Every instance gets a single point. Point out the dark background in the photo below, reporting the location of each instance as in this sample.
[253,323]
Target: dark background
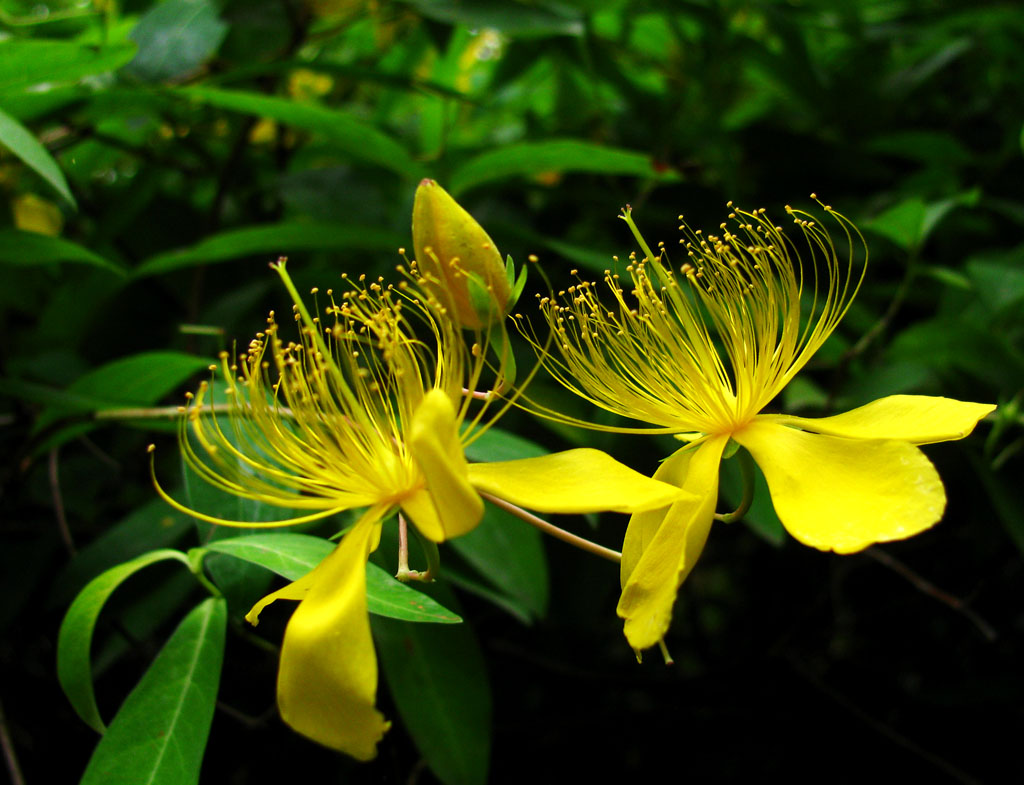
[905,116]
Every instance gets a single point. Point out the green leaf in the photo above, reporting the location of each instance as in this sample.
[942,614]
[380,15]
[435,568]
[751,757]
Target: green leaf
[932,147]
[293,555]
[494,444]
[153,525]
[909,223]
[593,259]
[67,402]
[999,279]
[288,554]
[509,553]
[160,731]
[439,684]
[272,240]
[901,223]
[28,62]
[20,141]
[75,637]
[517,19]
[175,37]
[29,248]
[559,155]
[1004,496]
[138,380]
[351,135]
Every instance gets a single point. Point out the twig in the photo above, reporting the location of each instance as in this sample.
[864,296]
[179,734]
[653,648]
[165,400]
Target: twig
[247,720]
[58,503]
[554,531]
[881,728]
[929,588]
[10,757]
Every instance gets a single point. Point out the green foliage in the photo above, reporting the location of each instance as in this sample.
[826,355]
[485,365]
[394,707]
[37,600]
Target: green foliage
[75,640]
[160,730]
[155,155]
[439,683]
[293,555]
[16,138]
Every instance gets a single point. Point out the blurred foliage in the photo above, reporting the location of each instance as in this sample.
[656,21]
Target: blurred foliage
[154,156]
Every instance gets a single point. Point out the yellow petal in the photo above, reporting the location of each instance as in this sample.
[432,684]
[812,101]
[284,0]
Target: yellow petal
[574,481]
[845,494]
[644,525]
[296,590]
[434,442]
[327,682]
[919,419]
[650,589]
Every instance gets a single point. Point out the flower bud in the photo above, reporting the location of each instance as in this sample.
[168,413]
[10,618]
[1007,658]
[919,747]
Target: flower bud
[460,262]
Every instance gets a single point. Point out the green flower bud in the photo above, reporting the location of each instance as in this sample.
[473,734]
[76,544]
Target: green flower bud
[459,260]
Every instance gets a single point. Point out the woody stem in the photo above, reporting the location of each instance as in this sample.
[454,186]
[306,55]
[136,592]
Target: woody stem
[554,531]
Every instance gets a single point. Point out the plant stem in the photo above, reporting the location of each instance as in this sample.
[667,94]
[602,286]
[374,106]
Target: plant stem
[747,474]
[554,531]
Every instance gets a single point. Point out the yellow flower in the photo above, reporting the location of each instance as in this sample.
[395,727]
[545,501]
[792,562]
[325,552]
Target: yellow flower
[370,409]
[699,351]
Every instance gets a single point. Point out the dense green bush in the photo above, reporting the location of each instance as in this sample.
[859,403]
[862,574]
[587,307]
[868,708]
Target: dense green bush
[155,156]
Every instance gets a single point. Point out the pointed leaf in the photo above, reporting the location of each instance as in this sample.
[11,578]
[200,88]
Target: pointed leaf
[24,63]
[138,380]
[510,555]
[557,155]
[160,731]
[152,526]
[20,141]
[349,134]
[75,638]
[271,241]
[29,248]
[439,683]
[293,555]
[175,37]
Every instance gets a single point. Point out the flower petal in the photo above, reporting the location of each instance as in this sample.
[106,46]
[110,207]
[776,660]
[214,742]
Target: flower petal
[644,525]
[919,419]
[845,494]
[650,588]
[574,481]
[434,443]
[327,681]
[296,590]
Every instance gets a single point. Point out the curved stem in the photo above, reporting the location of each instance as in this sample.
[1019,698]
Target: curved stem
[747,473]
[554,531]
[404,574]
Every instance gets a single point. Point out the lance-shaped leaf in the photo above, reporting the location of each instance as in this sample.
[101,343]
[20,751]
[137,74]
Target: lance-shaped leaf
[293,555]
[75,638]
[160,731]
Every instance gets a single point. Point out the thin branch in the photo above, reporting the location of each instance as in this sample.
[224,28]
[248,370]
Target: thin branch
[10,757]
[58,503]
[247,720]
[929,588]
[554,531]
[882,728]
